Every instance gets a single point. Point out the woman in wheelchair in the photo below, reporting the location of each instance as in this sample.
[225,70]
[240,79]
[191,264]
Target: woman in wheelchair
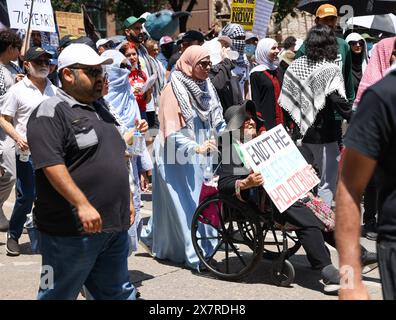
[236,179]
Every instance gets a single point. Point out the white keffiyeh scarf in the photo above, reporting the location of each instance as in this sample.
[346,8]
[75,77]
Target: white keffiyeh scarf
[306,85]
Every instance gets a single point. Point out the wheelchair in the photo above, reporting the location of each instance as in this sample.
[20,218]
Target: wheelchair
[235,236]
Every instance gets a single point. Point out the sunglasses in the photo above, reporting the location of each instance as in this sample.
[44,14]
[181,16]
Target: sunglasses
[41,62]
[91,72]
[355,43]
[205,64]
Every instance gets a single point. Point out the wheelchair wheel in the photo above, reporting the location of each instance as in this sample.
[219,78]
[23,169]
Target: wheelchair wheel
[273,247]
[282,273]
[231,248]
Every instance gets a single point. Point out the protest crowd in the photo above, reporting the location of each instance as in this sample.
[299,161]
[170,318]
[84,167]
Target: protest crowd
[87,127]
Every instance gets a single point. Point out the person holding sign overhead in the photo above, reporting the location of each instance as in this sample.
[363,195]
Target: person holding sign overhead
[236,179]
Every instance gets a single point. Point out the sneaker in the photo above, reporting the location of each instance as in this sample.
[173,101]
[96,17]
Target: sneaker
[369,261]
[369,230]
[12,246]
[330,279]
[141,204]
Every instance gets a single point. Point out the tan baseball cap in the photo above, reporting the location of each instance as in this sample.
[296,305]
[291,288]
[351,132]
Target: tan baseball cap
[326,10]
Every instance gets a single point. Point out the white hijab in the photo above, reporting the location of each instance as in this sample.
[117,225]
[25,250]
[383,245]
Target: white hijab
[264,46]
[357,37]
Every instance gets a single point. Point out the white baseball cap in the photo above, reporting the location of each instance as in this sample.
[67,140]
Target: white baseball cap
[79,53]
[102,42]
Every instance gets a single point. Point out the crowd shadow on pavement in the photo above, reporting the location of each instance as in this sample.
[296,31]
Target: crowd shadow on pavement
[261,274]
[137,277]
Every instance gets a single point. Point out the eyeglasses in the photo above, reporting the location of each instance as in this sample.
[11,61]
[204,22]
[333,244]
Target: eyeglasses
[205,64]
[91,72]
[355,43]
[41,62]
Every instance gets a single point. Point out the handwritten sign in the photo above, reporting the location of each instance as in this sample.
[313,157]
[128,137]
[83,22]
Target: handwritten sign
[242,12]
[287,176]
[70,23]
[42,15]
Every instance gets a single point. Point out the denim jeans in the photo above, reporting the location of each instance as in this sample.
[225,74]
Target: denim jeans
[98,261]
[25,194]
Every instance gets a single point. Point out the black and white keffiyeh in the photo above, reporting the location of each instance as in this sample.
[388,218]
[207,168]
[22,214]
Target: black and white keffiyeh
[233,31]
[200,95]
[306,85]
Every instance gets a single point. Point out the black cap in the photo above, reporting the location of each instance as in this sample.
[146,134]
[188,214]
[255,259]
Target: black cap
[236,115]
[192,35]
[34,52]
[66,40]
[69,39]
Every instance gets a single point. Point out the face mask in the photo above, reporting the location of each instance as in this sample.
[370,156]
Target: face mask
[250,49]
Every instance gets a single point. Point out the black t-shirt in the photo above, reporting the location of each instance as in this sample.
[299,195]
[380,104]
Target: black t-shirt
[85,139]
[373,134]
[263,94]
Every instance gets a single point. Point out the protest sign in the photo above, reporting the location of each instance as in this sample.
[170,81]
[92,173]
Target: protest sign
[42,16]
[263,12]
[287,176]
[242,12]
[70,23]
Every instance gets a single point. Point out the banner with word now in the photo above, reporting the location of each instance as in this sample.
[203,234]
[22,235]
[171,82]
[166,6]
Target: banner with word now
[242,12]
[287,176]
[42,18]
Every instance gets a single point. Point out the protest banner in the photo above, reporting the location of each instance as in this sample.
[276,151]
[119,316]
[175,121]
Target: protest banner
[287,176]
[37,15]
[70,23]
[263,12]
[242,12]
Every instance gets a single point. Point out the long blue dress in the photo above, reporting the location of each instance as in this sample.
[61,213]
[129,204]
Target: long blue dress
[176,189]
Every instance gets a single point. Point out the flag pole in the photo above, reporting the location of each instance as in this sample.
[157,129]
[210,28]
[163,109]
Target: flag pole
[27,37]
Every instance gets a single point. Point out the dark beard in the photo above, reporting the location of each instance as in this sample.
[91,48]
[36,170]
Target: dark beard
[138,39]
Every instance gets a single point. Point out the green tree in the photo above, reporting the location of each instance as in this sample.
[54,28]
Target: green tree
[283,8]
[177,5]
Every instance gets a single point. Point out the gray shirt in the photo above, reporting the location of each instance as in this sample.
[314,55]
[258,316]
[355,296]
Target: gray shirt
[10,71]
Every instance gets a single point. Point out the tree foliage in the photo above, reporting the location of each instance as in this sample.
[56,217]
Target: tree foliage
[283,8]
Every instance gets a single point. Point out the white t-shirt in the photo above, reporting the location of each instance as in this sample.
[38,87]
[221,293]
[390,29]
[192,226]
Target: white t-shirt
[21,100]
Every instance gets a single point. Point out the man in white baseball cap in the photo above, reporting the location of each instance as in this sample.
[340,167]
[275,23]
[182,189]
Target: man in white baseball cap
[83,207]
[104,44]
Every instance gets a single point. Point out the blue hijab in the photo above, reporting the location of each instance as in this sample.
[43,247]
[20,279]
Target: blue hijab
[120,95]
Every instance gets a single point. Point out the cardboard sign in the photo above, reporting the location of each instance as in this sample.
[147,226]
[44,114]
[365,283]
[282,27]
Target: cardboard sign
[70,23]
[287,176]
[242,12]
[42,16]
[262,19]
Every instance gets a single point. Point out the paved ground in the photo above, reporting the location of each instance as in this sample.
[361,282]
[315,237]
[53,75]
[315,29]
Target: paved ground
[161,280]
